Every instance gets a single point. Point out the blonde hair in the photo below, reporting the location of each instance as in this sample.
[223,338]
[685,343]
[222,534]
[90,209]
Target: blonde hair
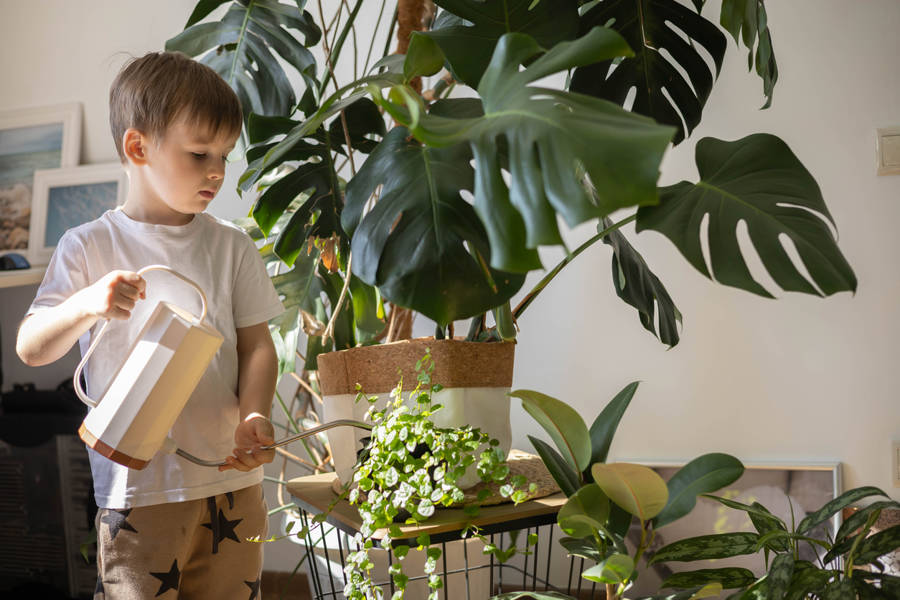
[150,92]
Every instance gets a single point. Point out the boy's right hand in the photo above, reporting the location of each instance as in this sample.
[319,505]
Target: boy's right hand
[114,295]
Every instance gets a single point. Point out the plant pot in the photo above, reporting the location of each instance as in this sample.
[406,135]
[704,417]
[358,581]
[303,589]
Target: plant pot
[476,378]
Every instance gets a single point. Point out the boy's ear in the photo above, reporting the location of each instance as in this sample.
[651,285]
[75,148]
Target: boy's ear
[134,145]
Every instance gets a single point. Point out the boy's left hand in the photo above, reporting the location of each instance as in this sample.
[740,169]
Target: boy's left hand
[251,434]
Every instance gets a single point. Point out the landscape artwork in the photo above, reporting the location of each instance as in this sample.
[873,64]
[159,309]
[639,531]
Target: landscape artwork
[71,205]
[22,151]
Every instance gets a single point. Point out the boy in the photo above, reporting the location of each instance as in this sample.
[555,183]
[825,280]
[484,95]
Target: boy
[173,529]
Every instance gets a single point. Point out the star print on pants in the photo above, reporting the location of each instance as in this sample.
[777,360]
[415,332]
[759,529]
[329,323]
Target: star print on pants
[117,520]
[254,588]
[222,529]
[169,580]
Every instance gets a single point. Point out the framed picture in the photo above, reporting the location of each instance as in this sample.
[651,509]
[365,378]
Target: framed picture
[790,491]
[31,139]
[64,198]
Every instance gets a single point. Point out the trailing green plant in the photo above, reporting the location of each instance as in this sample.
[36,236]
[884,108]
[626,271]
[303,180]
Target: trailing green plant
[407,469]
[605,499]
[362,180]
[847,567]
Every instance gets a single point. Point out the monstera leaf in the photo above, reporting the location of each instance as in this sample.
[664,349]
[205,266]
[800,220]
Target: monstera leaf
[636,284]
[422,244]
[747,19]
[553,138]
[468,30]
[651,27]
[759,181]
[241,46]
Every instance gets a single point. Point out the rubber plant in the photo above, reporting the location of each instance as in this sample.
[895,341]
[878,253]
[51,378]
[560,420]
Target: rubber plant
[379,200]
[606,499]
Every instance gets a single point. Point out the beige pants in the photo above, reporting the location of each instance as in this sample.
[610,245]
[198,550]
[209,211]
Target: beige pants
[187,550]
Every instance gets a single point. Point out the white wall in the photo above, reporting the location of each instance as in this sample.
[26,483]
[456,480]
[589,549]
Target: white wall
[797,379]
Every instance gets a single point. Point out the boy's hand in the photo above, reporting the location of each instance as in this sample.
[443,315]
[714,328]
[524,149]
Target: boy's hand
[251,433]
[114,295]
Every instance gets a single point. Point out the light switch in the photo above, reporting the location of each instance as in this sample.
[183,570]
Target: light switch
[887,151]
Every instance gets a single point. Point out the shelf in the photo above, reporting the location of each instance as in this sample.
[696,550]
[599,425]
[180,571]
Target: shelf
[314,493]
[22,277]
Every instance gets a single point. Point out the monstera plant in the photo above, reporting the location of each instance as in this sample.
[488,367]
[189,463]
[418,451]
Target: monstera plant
[379,197]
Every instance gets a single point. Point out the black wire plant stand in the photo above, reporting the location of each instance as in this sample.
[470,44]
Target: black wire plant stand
[538,562]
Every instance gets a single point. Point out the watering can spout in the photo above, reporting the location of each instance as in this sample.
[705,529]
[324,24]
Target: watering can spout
[299,436]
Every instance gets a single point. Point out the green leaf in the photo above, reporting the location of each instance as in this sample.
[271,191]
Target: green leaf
[423,58]
[300,286]
[363,121]
[748,19]
[564,476]
[468,47]
[366,306]
[636,488]
[841,589]
[693,593]
[585,548]
[757,509]
[553,138]
[704,474]
[584,513]
[729,578]
[240,48]
[203,8]
[317,217]
[831,508]
[564,425]
[707,547]
[878,544]
[603,429]
[652,27]
[851,524]
[638,286]
[780,574]
[422,244]
[759,181]
[768,524]
[615,569]
[807,579]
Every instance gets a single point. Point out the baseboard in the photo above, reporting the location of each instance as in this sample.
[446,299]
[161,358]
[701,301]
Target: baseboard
[280,585]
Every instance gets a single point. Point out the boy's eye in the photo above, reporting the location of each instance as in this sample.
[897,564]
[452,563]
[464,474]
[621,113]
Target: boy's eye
[199,154]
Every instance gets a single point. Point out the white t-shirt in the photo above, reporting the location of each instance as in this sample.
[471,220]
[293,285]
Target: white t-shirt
[224,262]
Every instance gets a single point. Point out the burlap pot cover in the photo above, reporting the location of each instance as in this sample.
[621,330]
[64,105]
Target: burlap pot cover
[475,376]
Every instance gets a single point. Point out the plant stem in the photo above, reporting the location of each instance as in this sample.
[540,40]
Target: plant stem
[529,298]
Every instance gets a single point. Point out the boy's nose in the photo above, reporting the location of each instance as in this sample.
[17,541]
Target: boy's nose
[216,172]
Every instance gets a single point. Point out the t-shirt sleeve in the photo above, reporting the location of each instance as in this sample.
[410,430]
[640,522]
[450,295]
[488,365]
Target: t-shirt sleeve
[66,274]
[255,299]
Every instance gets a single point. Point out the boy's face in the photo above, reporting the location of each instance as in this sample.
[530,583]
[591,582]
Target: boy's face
[185,168]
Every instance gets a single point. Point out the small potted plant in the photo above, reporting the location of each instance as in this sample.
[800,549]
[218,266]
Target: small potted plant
[408,468]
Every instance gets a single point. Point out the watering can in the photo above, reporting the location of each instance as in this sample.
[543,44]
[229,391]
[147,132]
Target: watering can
[130,422]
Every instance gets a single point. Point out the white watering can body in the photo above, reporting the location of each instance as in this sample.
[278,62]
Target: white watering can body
[130,421]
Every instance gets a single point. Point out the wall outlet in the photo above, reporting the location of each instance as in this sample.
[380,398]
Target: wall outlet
[895,462]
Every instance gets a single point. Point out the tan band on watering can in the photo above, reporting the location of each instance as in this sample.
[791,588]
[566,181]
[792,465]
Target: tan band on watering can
[108,451]
[457,364]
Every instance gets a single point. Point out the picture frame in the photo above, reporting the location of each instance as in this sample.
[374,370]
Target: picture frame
[66,198]
[30,139]
[780,487]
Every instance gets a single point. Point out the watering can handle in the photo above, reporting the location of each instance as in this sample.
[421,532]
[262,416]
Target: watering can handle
[76,379]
